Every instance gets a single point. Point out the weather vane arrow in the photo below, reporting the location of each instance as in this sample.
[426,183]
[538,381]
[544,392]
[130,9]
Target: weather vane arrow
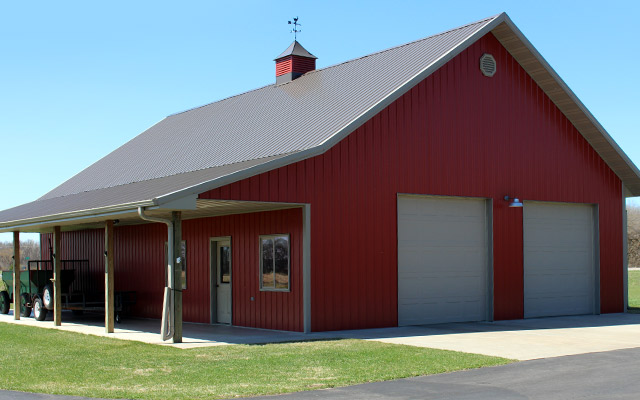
[295,29]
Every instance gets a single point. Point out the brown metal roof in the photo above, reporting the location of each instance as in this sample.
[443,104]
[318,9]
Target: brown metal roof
[280,124]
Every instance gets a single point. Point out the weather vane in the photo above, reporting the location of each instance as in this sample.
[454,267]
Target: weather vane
[295,29]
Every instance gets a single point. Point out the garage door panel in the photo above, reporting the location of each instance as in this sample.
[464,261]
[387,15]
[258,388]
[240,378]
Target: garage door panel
[546,236]
[556,284]
[427,287]
[558,259]
[449,233]
[446,261]
[432,311]
[442,253]
[567,305]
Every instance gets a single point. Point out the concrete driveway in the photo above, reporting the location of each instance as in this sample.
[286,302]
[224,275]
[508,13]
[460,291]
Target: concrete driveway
[519,339]
[526,339]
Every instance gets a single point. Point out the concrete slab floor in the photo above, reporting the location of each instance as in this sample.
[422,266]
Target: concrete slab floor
[516,339]
[148,331]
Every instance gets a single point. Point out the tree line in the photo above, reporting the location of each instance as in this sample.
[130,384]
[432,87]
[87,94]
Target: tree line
[633,233]
[29,250]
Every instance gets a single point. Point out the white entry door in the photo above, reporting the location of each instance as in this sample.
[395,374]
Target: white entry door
[222,289]
[442,260]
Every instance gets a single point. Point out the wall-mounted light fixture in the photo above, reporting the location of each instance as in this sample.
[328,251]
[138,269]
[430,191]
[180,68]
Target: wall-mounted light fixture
[513,201]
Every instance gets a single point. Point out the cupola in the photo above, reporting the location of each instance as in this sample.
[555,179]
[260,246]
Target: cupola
[294,62]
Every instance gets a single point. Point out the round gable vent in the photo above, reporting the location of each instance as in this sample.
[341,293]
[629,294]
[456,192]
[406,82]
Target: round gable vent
[488,65]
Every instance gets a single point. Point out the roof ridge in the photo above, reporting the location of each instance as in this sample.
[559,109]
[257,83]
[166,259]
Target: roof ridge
[341,63]
[402,45]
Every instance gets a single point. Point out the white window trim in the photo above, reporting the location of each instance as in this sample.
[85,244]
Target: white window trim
[274,236]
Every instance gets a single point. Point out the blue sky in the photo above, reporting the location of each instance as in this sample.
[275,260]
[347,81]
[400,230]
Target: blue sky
[78,79]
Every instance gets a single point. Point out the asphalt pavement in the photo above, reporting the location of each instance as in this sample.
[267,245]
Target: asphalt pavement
[611,375]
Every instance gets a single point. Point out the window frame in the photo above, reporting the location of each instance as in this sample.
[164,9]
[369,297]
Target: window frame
[260,276]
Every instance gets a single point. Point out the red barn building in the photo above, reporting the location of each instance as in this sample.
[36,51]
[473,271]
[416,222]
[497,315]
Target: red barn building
[454,178]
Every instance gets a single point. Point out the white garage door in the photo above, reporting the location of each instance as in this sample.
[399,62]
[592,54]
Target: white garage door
[442,260]
[559,257]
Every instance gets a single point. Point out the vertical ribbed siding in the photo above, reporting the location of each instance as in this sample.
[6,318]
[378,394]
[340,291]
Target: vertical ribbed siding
[81,245]
[457,133]
[139,266]
[270,310]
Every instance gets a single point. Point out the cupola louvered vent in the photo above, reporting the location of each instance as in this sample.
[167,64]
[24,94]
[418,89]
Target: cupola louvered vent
[487,65]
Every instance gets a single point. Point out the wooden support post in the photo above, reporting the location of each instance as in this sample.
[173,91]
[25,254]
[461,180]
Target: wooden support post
[109,310]
[177,284]
[16,275]
[57,265]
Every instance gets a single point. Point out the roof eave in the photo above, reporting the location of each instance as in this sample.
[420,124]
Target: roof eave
[32,224]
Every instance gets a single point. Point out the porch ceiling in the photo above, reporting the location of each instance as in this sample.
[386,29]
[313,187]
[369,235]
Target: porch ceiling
[204,208]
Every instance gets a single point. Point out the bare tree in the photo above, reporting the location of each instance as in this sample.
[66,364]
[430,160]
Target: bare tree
[29,250]
[633,233]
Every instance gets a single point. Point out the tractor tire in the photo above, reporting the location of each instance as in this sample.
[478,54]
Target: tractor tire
[47,296]
[25,310]
[39,312]
[5,302]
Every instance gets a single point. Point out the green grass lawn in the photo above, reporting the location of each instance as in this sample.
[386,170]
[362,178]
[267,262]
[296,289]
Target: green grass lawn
[57,362]
[634,291]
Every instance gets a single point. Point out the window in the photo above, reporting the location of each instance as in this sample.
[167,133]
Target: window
[225,262]
[274,262]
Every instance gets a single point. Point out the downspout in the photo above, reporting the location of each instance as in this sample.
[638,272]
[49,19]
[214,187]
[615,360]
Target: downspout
[166,331]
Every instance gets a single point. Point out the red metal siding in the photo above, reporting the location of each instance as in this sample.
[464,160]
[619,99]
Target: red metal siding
[81,245]
[456,133]
[295,64]
[140,260]
[270,310]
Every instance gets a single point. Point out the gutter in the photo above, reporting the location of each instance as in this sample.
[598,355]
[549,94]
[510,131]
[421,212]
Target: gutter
[61,218]
[168,322]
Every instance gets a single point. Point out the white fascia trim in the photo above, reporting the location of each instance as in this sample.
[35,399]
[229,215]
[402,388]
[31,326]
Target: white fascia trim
[571,95]
[74,216]
[341,133]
